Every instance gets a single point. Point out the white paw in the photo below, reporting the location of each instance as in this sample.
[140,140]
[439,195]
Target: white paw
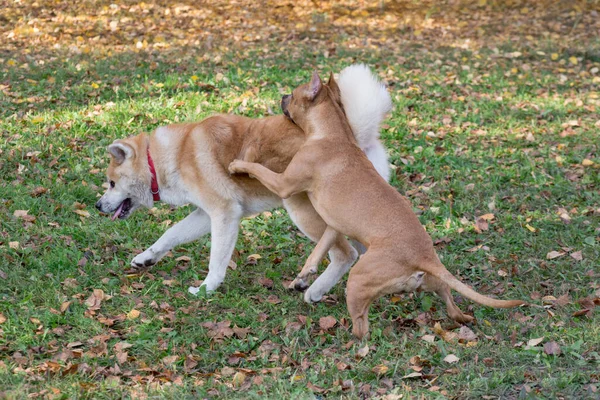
[145,259]
[312,296]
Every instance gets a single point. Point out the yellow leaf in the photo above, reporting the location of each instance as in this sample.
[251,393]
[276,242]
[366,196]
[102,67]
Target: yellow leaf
[238,379]
[587,162]
[530,228]
[37,120]
[95,85]
[554,56]
[11,63]
[133,314]
[573,60]
[83,213]
[524,10]
[194,78]
[380,369]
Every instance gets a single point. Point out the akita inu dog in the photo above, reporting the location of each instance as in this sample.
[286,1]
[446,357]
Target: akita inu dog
[187,163]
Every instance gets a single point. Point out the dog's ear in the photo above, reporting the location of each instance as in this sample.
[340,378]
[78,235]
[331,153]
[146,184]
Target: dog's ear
[120,151]
[335,89]
[314,87]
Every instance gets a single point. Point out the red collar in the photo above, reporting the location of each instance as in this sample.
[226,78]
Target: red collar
[154,184]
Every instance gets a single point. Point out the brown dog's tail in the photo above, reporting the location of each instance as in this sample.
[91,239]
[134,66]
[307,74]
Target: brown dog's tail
[442,273]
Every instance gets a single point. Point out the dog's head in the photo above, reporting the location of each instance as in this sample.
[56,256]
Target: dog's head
[129,178]
[297,105]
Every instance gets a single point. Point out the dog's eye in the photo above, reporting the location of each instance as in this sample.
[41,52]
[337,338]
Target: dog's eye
[112,184]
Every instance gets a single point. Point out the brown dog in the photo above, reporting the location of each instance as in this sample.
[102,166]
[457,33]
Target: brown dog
[355,201]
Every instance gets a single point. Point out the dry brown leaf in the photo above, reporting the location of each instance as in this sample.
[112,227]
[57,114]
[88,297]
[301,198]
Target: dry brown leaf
[466,334]
[362,352]
[326,323]
[552,348]
[3,319]
[577,255]
[95,300]
[64,306]
[168,360]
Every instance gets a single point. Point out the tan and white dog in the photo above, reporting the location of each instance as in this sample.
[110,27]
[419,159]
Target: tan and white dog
[187,163]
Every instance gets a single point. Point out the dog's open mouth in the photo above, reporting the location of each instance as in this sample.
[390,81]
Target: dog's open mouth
[123,210]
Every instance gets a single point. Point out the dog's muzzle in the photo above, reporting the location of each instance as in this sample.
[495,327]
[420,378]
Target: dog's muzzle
[285,102]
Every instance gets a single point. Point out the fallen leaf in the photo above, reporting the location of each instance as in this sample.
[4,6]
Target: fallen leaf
[535,342]
[552,348]
[95,300]
[451,358]
[577,256]
[83,213]
[362,352]
[133,314]
[326,323]
[466,334]
[428,338]
[2,318]
[554,254]
[587,162]
[530,228]
[413,375]
[238,379]
[64,306]
[168,360]
[487,217]
[380,369]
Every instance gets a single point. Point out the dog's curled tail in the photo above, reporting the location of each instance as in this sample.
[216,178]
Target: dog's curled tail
[442,273]
[366,102]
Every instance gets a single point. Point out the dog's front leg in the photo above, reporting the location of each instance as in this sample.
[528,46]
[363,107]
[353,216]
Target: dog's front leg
[187,230]
[283,185]
[312,262]
[224,233]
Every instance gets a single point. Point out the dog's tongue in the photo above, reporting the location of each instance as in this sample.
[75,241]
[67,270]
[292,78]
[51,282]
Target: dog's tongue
[116,214]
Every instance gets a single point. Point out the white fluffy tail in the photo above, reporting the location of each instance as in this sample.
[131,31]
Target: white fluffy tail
[366,102]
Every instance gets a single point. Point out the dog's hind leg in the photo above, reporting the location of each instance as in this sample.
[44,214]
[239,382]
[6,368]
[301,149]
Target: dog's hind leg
[367,281]
[224,233]
[187,230]
[342,256]
[434,284]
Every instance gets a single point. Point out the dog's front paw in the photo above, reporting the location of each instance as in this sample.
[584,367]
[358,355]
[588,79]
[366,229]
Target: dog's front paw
[236,166]
[298,284]
[144,260]
[312,296]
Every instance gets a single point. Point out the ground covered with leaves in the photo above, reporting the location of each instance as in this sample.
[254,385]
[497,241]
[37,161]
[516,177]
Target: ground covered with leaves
[494,138]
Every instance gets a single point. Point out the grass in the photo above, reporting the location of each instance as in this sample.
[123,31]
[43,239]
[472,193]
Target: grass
[471,133]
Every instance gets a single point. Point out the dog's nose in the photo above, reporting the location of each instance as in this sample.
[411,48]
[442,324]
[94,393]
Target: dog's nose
[98,205]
